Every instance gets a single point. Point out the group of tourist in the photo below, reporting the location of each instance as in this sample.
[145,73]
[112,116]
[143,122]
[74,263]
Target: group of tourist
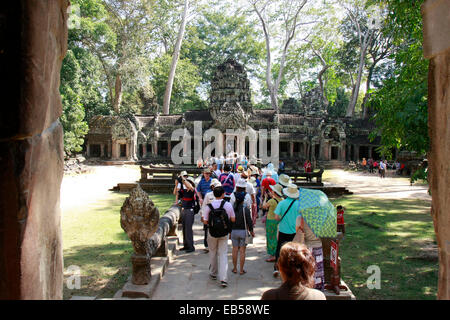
[233,159]
[381,166]
[229,203]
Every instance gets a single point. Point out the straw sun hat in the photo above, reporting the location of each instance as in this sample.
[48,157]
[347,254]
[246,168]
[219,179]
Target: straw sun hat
[284,180]
[278,189]
[291,191]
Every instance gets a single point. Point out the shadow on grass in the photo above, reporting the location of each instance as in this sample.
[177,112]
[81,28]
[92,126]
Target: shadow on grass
[104,268]
[384,233]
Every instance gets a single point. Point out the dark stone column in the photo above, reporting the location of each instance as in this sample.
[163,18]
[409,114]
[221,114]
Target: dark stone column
[34,42]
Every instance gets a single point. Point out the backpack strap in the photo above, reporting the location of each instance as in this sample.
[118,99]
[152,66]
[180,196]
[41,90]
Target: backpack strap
[287,210]
[222,204]
[210,207]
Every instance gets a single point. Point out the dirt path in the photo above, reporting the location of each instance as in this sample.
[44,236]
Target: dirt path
[372,186]
[92,186]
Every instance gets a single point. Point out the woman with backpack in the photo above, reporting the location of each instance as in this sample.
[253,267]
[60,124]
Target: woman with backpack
[276,196]
[241,227]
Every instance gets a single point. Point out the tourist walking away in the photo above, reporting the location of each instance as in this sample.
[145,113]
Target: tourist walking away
[251,191]
[203,187]
[364,164]
[219,215]
[281,167]
[266,182]
[241,185]
[370,162]
[215,171]
[227,181]
[297,269]
[237,174]
[242,228]
[314,245]
[286,213]
[207,199]
[187,209]
[382,169]
[271,222]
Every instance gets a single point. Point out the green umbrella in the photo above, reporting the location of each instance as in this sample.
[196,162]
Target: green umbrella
[318,212]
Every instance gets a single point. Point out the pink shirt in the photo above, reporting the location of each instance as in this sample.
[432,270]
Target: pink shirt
[215,204]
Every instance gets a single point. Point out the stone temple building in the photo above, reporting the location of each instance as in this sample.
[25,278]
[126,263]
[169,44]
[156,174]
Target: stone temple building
[305,129]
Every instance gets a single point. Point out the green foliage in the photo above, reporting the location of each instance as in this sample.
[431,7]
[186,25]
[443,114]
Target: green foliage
[339,105]
[187,78]
[401,102]
[420,174]
[215,36]
[72,119]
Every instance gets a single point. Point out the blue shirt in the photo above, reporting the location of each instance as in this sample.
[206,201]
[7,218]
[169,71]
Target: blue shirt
[204,186]
[287,225]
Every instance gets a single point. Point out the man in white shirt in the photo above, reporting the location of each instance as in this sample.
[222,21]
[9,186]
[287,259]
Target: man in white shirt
[218,247]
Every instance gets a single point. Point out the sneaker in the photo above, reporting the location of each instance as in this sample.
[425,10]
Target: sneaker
[190,250]
[213,277]
[224,284]
[183,249]
[206,250]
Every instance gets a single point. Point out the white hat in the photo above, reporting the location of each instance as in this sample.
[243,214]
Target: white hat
[291,191]
[278,189]
[215,183]
[191,179]
[241,183]
[284,180]
[183,173]
[253,181]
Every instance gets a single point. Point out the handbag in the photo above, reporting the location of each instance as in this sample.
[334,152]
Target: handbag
[248,236]
[300,234]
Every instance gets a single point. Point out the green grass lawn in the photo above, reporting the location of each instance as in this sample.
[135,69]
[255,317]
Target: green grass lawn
[94,241]
[384,233]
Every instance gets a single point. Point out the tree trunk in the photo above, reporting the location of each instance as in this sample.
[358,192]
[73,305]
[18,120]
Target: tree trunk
[322,87]
[173,66]
[367,95]
[117,94]
[354,99]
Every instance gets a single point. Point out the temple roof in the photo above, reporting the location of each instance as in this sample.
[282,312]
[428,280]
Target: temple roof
[198,115]
[263,115]
[145,121]
[170,120]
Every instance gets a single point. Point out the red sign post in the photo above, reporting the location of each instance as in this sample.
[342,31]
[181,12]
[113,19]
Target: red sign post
[334,254]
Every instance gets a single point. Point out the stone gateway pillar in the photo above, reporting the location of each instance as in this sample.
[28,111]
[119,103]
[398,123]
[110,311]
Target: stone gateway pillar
[437,48]
[34,42]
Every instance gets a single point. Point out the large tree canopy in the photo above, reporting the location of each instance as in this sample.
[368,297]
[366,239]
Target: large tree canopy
[120,54]
[401,101]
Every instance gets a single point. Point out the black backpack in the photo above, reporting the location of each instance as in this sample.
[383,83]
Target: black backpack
[218,223]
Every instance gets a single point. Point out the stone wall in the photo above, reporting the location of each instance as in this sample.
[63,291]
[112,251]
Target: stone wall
[34,42]
[437,48]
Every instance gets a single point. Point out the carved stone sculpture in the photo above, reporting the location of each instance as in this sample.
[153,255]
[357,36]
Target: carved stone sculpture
[139,217]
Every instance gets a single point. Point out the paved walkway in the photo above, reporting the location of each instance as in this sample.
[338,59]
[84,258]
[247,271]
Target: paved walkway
[368,185]
[187,277]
